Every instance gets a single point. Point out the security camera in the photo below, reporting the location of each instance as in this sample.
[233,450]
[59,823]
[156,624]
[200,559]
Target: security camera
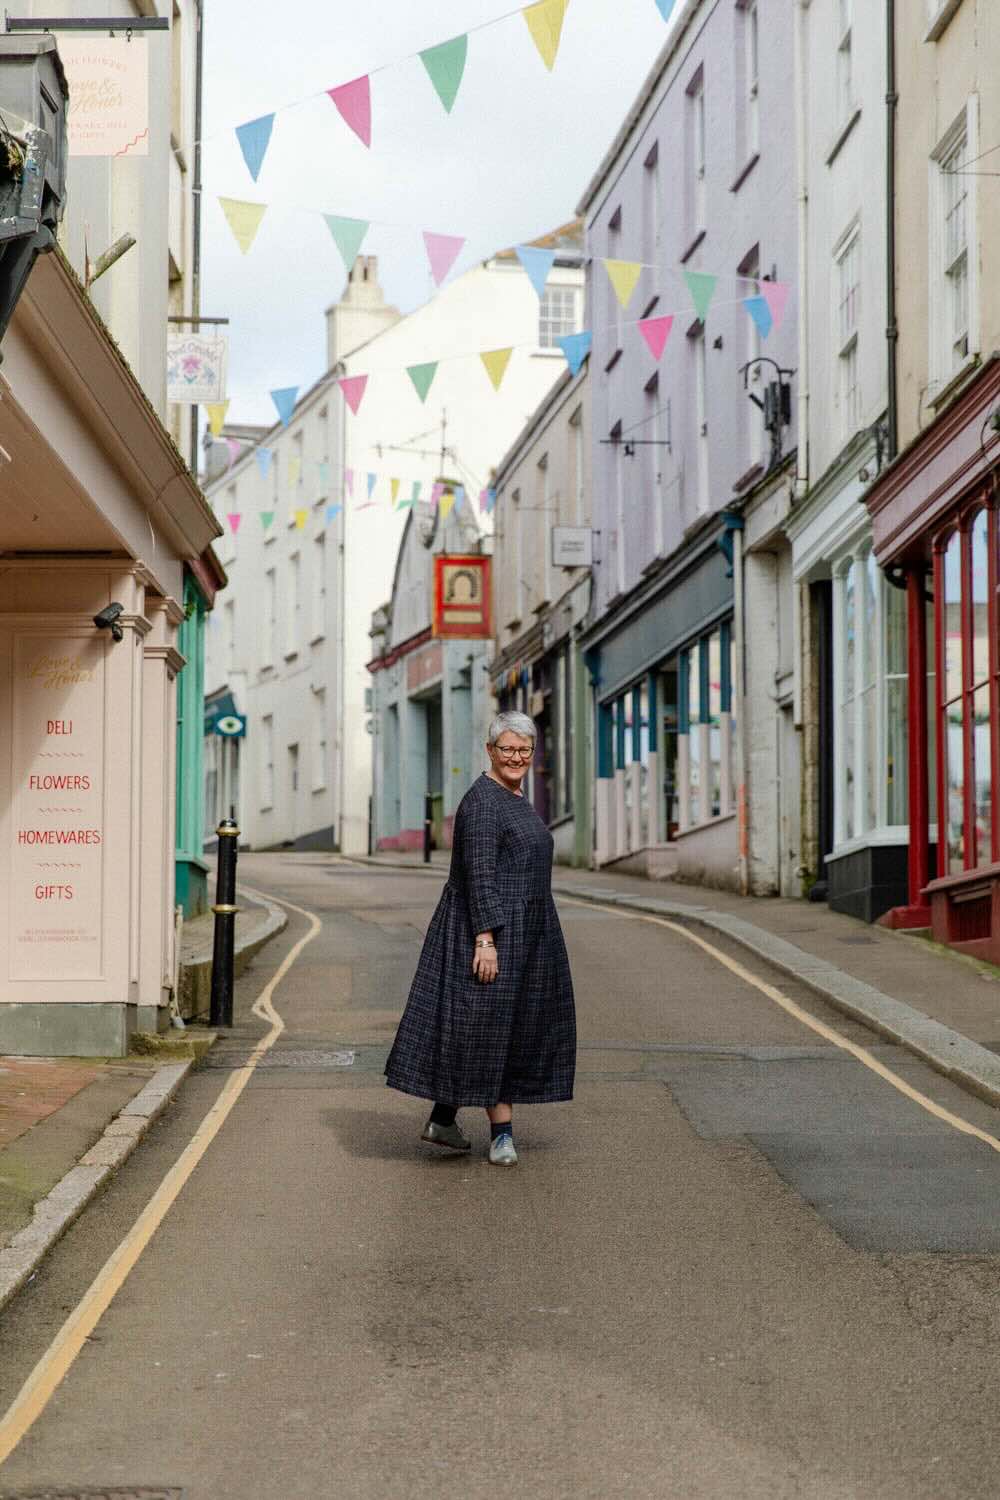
[107,619]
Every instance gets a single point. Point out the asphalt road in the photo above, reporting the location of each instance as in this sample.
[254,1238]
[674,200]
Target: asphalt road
[737,1264]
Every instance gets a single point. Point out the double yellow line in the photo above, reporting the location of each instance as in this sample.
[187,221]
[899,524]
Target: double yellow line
[58,1358]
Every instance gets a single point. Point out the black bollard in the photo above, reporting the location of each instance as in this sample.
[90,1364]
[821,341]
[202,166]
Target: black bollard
[225,909]
[428,824]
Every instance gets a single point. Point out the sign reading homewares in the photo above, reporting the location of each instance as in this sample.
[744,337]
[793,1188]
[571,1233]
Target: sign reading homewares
[196,368]
[462,596]
[108,82]
[57,857]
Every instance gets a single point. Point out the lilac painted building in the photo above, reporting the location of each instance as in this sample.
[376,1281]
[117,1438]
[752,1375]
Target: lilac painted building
[700,179]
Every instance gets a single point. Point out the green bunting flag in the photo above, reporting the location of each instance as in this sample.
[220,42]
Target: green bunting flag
[348,235]
[422,377]
[266,518]
[445,65]
[701,285]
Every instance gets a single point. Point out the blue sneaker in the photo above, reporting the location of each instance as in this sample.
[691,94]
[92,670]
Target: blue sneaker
[502,1153]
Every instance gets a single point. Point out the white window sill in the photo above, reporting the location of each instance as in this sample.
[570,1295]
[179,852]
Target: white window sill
[267,807]
[320,788]
[292,654]
[842,134]
[317,638]
[955,382]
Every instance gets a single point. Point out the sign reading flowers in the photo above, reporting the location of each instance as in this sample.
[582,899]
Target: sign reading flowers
[108,95]
[196,368]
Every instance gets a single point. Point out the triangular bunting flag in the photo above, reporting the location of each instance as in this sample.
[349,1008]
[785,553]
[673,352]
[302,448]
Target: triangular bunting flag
[760,312]
[623,275]
[216,411]
[576,347]
[393,490]
[254,138]
[284,401]
[263,456]
[243,219]
[665,7]
[333,511]
[442,252]
[266,518]
[349,481]
[416,492]
[323,469]
[496,362]
[446,503]
[348,235]
[491,500]
[234,518]
[233,447]
[459,497]
[701,285]
[301,516]
[445,65]
[775,294]
[353,387]
[537,264]
[656,331]
[482,499]
[422,377]
[372,482]
[437,490]
[545,22]
[354,101]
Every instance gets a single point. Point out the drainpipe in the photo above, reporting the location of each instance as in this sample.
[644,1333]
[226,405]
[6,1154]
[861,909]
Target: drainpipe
[199,60]
[802,142]
[892,329]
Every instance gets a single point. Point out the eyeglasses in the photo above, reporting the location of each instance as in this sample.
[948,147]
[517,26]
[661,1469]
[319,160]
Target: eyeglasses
[509,751]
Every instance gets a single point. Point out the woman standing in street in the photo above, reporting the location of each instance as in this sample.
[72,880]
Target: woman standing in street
[490,1019]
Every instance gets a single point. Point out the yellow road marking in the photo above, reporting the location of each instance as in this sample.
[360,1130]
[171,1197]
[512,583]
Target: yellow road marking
[814,1024]
[57,1360]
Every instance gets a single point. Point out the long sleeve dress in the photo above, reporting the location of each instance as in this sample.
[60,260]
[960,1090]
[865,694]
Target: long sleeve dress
[461,1041]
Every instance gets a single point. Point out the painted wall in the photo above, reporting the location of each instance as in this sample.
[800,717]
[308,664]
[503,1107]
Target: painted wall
[643,206]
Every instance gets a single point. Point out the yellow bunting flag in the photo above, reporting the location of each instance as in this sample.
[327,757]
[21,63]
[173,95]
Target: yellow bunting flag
[545,21]
[216,416]
[243,219]
[624,274]
[496,362]
[294,469]
[446,503]
[301,516]
[393,489]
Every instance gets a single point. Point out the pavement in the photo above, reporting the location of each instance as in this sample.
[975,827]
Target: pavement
[68,1124]
[755,1255]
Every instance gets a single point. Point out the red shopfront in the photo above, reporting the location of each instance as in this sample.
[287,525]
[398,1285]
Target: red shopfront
[935,522]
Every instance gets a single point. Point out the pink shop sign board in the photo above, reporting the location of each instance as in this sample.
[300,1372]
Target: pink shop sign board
[108,81]
[57,808]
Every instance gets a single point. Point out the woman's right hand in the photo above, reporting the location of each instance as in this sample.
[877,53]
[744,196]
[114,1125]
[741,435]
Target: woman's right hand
[484,958]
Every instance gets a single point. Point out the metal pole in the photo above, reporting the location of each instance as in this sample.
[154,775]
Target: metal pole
[225,909]
[428,820]
[199,90]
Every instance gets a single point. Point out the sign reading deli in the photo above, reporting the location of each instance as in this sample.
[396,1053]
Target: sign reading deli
[462,596]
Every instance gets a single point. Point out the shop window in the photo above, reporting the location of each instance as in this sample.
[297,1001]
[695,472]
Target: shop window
[669,736]
[706,731]
[951,706]
[897,701]
[980,707]
[848,769]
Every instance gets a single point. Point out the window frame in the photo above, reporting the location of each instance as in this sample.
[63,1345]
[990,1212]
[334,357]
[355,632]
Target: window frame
[847,338]
[961,140]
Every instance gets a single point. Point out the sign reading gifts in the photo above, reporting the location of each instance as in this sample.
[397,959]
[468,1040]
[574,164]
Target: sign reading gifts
[108,82]
[462,603]
[58,805]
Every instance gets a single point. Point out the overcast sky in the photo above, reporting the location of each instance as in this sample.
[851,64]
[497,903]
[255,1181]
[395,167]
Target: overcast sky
[509,163]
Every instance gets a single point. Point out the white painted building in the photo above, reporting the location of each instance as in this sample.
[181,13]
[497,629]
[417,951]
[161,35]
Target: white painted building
[294,639]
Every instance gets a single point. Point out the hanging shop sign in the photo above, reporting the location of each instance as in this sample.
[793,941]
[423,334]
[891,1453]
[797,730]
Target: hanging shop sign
[231,726]
[108,82]
[462,603]
[572,546]
[196,368]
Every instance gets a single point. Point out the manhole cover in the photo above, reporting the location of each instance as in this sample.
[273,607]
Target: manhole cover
[287,1057]
[74,1492]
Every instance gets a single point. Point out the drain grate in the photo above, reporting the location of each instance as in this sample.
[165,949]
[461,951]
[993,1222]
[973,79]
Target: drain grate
[285,1057]
[117,1492]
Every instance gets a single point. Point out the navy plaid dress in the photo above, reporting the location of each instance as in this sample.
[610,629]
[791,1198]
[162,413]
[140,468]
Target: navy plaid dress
[464,1042]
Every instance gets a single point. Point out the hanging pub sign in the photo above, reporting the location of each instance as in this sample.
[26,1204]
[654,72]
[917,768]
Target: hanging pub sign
[196,368]
[108,82]
[462,604]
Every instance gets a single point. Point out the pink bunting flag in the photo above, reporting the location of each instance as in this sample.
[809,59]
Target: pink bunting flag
[656,331]
[775,294]
[234,519]
[354,101]
[442,252]
[437,491]
[349,481]
[353,387]
[234,446]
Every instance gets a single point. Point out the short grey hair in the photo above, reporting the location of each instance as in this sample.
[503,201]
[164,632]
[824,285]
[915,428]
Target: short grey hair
[517,723]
